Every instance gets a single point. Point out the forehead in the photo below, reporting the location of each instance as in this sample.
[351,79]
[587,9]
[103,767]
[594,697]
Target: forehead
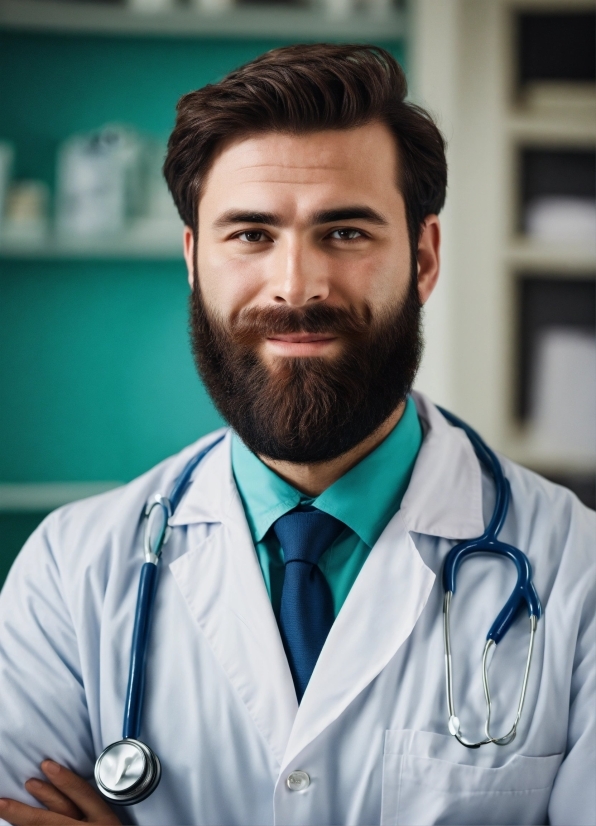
[357,163]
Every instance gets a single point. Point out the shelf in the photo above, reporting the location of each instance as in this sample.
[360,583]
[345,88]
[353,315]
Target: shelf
[556,258]
[243,22]
[549,98]
[112,248]
[568,127]
[33,497]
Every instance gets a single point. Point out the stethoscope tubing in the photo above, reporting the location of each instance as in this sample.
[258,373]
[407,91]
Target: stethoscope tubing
[156,536]
[523,592]
[135,691]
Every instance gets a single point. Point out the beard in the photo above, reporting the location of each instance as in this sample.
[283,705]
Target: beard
[307,409]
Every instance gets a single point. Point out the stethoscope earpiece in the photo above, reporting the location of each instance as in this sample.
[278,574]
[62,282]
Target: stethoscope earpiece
[127,772]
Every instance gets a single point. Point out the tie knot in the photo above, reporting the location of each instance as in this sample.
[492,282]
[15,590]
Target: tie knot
[305,534]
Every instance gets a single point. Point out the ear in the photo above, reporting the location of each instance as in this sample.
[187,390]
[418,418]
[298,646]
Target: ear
[429,259]
[188,242]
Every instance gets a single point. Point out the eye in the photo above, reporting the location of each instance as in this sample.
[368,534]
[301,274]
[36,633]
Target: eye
[346,234]
[252,236]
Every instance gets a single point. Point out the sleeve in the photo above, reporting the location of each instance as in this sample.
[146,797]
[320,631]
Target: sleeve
[43,712]
[573,797]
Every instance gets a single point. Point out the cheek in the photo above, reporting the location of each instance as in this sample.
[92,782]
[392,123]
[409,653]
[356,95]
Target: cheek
[380,281]
[227,284]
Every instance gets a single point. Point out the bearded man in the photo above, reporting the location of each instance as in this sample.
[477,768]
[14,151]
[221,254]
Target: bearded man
[292,594]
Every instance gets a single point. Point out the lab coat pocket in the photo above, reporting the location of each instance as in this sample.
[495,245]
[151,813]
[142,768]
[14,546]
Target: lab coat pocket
[430,779]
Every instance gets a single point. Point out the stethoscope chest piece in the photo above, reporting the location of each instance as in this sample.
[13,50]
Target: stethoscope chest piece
[127,772]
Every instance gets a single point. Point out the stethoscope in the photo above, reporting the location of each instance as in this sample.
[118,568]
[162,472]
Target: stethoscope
[524,592]
[128,771]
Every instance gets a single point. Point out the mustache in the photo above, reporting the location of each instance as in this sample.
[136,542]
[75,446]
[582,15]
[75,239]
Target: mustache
[253,324]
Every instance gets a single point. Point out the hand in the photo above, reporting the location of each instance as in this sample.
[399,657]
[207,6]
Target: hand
[67,798]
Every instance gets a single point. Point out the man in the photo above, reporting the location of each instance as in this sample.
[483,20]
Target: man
[295,673]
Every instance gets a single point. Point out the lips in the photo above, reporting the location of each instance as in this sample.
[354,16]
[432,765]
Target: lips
[301,338]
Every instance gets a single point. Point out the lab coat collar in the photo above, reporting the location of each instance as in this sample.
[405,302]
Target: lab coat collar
[212,487]
[444,497]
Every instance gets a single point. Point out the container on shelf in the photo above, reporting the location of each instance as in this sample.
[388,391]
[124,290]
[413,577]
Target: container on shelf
[564,397]
[562,219]
[158,224]
[26,213]
[6,161]
[100,182]
[557,191]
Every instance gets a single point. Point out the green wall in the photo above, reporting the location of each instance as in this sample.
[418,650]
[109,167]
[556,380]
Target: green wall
[96,375]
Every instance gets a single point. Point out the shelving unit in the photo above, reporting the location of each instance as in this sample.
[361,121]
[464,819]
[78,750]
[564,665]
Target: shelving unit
[465,63]
[553,118]
[94,343]
[120,248]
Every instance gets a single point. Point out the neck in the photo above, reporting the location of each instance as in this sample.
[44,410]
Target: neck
[314,479]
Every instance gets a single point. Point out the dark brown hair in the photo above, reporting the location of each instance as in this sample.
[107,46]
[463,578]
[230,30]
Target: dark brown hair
[301,89]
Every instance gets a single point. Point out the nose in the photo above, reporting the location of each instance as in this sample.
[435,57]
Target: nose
[300,276]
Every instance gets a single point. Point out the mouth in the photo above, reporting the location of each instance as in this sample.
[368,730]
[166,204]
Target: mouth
[300,344]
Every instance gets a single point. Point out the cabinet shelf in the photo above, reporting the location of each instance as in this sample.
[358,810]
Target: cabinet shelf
[106,249]
[552,258]
[243,22]
[32,497]
[575,127]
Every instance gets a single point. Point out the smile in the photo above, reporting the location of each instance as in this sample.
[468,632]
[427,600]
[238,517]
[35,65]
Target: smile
[300,344]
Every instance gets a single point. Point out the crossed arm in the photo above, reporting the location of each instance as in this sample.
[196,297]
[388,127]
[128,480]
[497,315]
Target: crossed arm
[67,798]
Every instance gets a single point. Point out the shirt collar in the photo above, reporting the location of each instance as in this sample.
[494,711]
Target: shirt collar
[444,497]
[365,498]
[264,494]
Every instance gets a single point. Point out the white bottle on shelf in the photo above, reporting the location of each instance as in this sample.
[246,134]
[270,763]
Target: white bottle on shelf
[565,394]
[151,6]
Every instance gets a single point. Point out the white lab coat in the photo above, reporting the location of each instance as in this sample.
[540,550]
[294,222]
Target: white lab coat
[371,732]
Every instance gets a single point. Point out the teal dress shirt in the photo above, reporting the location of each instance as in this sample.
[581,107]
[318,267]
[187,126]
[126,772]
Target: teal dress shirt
[364,499]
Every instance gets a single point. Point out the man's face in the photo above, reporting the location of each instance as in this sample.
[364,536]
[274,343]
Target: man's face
[306,307]
[292,221]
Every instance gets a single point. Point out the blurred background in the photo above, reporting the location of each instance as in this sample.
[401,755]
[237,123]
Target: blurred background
[97,379]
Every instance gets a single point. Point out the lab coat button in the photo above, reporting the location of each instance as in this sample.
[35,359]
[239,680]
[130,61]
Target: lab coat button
[298,781]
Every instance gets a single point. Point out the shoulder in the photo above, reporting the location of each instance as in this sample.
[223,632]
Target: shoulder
[557,531]
[545,506]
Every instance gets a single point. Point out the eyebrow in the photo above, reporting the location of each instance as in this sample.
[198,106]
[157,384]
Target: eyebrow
[349,213]
[325,216]
[238,216]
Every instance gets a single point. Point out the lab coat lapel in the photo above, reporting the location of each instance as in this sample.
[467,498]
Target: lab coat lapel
[444,499]
[377,617]
[223,586]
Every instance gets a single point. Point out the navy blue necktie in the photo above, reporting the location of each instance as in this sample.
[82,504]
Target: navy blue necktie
[306,614]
